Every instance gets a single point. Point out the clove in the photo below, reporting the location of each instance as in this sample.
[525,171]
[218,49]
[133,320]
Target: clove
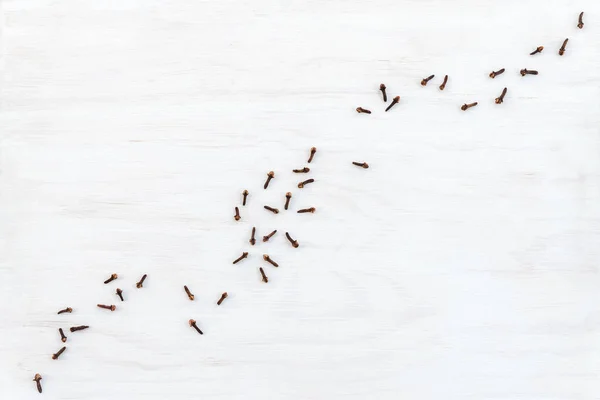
[193,325]
[269,260]
[63,338]
[306,182]
[58,353]
[187,291]
[292,241]
[395,101]
[443,85]
[269,236]
[538,50]
[561,51]
[264,277]
[270,176]
[240,258]
[223,297]
[494,74]
[288,197]
[140,284]
[425,80]
[313,150]
[465,107]
[500,100]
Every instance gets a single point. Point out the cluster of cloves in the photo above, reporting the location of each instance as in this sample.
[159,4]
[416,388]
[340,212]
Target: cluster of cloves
[68,310]
[383,89]
[288,198]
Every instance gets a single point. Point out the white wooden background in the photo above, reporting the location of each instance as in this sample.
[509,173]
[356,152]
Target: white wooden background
[462,265]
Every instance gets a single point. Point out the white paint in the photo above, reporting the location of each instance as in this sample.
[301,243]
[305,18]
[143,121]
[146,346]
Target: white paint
[462,265]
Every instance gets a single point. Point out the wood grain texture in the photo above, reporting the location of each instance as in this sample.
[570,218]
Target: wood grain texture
[463,264]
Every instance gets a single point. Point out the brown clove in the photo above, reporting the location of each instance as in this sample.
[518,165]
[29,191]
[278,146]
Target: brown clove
[395,101]
[465,107]
[66,310]
[288,197]
[140,284]
[269,236]
[538,50]
[269,260]
[223,297]
[443,85]
[500,100]
[292,241]
[264,277]
[240,258]
[187,291]
[270,176]
[313,150]
[494,74]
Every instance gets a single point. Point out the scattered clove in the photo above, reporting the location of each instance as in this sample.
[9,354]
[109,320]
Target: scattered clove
[193,325]
[187,291]
[313,150]
[120,293]
[580,24]
[269,260]
[240,258]
[223,297]
[288,197]
[111,307]
[140,284]
[382,88]
[526,71]
[561,51]
[269,236]
[66,310]
[252,239]
[425,80]
[63,338]
[307,210]
[465,107]
[245,194]
[538,50]
[78,328]
[302,170]
[58,353]
[264,277]
[494,74]
[292,241]
[37,380]
[361,164]
[361,110]
[237,214]
[500,100]
[273,210]
[112,278]
[306,182]
[270,176]
[395,101]
[443,85]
